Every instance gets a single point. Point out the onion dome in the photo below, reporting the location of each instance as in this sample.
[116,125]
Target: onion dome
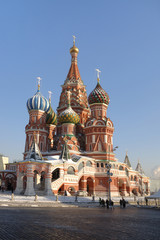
[38,102]
[69,116]
[74,49]
[51,117]
[98,95]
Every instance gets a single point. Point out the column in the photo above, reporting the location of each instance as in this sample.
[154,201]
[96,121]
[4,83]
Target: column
[19,185]
[29,188]
[48,176]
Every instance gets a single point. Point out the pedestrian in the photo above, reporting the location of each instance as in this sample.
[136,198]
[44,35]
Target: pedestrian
[124,203]
[112,204]
[103,203]
[146,199]
[120,202]
[107,203]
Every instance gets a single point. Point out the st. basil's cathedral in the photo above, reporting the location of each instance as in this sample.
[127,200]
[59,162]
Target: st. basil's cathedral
[69,152]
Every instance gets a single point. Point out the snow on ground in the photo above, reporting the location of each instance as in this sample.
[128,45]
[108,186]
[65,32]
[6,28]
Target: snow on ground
[7,196]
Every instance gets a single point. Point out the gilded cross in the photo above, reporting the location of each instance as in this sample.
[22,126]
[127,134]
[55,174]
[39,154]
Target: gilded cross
[74,39]
[39,81]
[98,72]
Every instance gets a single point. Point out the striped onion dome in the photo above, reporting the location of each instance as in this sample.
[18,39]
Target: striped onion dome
[51,117]
[69,116]
[98,95]
[38,102]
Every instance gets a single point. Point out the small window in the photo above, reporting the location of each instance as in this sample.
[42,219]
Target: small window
[97,164]
[102,165]
[89,164]
[71,171]
[120,167]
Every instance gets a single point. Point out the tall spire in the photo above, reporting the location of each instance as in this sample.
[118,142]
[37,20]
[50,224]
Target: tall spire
[139,168]
[126,160]
[73,73]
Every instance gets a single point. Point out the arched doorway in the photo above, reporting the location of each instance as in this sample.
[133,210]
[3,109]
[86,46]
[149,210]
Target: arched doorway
[71,190]
[121,187]
[134,191]
[36,180]
[55,174]
[24,182]
[10,181]
[42,181]
[90,186]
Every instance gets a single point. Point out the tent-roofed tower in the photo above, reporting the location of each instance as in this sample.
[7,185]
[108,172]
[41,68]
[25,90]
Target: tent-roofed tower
[126,160]
[139,168]
[74,84]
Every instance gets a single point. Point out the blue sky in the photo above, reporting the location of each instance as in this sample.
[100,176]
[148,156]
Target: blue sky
[121,38]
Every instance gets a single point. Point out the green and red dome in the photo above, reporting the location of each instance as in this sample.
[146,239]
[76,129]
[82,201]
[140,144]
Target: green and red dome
[51,116]
[69,116]
[98,95]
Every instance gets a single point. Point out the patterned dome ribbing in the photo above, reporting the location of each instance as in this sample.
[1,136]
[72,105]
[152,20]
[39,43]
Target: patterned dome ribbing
[98,95]
[51,117]
[38,102]
[69,116]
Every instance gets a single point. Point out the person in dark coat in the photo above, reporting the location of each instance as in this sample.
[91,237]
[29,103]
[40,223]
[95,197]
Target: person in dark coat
[124,203]
[107,203]
[103,203]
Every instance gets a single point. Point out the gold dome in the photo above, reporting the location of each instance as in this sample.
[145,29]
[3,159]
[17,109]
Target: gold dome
[74,49]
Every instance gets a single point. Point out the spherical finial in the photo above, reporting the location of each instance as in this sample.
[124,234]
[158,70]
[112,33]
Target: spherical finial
[74,48]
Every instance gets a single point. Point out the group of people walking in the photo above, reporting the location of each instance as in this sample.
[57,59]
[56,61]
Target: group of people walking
[110,203]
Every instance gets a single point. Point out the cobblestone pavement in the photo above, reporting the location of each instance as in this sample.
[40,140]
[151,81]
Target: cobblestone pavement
[79,223]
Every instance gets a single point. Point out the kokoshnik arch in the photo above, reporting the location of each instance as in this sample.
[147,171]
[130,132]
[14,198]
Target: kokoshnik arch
[69,151]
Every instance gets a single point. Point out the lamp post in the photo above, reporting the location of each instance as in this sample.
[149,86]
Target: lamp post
[109,174]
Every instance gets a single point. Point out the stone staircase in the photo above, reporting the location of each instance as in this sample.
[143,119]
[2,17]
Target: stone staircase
[57,183]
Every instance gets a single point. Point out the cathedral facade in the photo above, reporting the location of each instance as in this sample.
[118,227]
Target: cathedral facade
[72,151]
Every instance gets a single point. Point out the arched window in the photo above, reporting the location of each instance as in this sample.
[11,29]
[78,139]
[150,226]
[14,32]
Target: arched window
[71,171]
[41,146]
[135,178]
[55,174]
[99,147]
[80,166]
[126,172]
[89,164]
[90,147]
[97,164]
[120,167]
[102,165]
[131,178]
